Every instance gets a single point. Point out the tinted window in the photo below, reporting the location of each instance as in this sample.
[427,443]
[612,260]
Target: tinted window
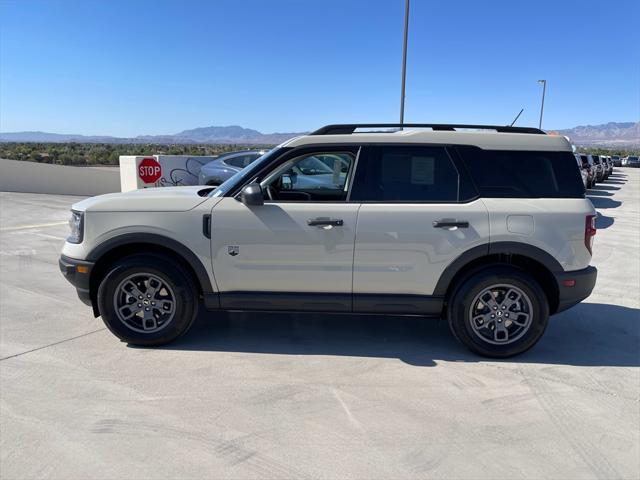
[406,174]
[508,174]
[242,161]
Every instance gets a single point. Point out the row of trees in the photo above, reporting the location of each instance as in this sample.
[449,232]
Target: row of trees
[108,154]
[608,151]
[103,154]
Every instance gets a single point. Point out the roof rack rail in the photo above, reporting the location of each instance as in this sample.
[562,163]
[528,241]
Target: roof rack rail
[349,128]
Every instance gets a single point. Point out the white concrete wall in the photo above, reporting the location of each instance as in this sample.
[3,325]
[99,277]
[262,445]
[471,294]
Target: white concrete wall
[31,177]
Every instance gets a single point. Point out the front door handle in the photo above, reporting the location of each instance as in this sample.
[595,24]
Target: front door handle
[450,223]
[325,222]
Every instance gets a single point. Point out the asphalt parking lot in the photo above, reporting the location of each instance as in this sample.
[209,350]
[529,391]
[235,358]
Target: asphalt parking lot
[314,396]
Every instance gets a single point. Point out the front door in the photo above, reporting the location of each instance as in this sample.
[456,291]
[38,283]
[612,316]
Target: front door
[295,252]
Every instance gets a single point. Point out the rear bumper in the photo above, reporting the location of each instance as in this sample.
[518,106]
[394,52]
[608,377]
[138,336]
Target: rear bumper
[78,277]
[584,281]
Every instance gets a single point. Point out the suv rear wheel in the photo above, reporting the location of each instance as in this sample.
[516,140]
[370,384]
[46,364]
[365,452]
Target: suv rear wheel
[147,300]
[498,312]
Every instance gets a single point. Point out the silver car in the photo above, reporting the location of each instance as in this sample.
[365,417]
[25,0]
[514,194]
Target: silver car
[225,166]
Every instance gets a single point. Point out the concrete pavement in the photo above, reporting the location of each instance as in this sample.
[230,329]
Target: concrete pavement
[314,396]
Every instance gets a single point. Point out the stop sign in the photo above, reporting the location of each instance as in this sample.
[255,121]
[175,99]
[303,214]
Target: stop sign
[149,170]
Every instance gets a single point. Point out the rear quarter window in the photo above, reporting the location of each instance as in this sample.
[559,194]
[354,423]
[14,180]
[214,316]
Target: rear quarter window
[523,174]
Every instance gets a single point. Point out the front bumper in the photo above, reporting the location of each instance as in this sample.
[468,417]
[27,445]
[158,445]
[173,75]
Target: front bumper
[583,282]
[78,273]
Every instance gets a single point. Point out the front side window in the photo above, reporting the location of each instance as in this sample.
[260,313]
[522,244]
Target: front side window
[406,174]
[311,177]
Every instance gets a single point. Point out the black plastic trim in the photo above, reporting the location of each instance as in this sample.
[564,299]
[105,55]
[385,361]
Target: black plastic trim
[284,301]
[349,128]
[506,248]
[398,304]
[68,267]
[423,305]
[206,225]
[585,281]
[162,241]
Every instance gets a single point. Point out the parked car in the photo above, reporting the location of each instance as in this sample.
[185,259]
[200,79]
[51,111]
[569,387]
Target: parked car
[587,166]
[617,160]
[583,171]
[633,161]
[600,171]
[490,230]
[227,165]
[608,165]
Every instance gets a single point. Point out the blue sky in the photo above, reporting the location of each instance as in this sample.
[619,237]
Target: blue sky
[136,67]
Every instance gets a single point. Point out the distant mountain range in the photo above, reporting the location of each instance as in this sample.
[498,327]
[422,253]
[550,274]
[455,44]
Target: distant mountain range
[612,134]
[231,134]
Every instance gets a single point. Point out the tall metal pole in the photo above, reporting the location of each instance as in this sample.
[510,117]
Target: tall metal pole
[404,61]
[544,90]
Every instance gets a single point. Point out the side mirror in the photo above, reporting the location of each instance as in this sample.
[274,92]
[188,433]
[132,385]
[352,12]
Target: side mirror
[287,182]
[251,195]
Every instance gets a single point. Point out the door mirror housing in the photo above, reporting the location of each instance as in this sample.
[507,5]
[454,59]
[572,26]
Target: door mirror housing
[251,195]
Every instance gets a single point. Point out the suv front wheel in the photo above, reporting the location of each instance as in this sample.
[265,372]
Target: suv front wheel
[147,300]
[498,312]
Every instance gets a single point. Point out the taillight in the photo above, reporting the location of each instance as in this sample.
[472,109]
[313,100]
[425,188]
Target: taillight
[589,232]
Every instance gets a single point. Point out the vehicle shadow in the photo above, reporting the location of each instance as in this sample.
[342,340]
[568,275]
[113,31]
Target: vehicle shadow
[604,187]
[603,221]
[599,193]
[586,335]
[600,202]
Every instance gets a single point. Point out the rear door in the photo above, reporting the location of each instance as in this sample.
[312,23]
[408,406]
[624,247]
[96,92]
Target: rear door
[417,215]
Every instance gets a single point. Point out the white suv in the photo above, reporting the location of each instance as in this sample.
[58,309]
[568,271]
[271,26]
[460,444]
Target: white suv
[486,226]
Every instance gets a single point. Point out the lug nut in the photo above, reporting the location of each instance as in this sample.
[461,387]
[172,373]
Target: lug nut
[139,305]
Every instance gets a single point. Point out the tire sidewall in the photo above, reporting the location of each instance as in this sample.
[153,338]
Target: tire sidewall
[463,297]
[171,273]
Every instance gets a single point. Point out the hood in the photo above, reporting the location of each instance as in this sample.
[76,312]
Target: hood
[161,199]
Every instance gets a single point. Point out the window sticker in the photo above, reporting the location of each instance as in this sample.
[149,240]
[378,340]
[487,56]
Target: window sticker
[422,170]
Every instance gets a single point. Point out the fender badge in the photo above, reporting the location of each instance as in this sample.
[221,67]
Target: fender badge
[233,250]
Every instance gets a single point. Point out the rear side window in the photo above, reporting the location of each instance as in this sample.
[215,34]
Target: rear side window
[516,174]
[405,174]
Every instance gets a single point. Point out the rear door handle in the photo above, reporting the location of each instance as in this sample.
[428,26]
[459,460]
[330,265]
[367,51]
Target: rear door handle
[449,223]
[325,222]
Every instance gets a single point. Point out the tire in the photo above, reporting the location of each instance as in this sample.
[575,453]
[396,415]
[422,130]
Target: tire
[482,339]
[171,310]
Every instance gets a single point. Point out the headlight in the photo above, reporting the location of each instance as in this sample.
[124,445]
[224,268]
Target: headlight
[76,224]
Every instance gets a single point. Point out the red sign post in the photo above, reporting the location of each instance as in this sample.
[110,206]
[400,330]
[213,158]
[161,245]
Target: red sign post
[149,170]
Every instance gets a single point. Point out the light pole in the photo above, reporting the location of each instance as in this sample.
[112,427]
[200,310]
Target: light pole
[544,90]
[404,61]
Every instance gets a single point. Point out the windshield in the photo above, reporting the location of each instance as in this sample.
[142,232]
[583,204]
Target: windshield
[245,173]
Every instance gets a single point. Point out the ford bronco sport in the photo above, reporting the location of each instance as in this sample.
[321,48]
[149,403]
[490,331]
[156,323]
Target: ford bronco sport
[486,226]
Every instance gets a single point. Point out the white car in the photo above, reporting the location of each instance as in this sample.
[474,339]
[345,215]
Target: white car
[486,226]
